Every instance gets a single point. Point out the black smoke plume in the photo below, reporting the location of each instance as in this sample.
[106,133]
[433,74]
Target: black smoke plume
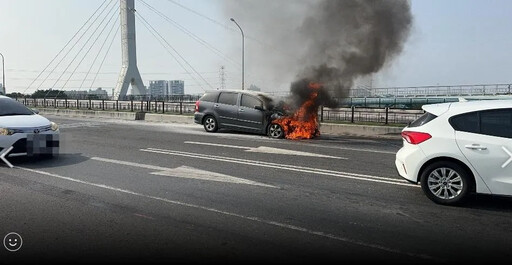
[332,42]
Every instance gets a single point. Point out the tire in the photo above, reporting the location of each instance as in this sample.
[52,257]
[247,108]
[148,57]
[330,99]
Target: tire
[210,124]
[446,183]
[275,131]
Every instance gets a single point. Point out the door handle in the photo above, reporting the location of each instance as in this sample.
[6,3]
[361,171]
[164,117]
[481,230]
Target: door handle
[241,110]
[475,147]
[216,105]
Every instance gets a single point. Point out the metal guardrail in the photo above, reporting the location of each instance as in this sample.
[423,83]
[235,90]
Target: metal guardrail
[435,91]
[181,107]
[374,115]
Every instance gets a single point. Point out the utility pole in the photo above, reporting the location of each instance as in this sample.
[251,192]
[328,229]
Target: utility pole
[129,71]
[2,88]
[243,52]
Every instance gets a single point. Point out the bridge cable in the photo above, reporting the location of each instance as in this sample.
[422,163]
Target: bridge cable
[114,13]
[63,48]
[173,56]
[105,57]
[116,22]
[69,51]
[191,35]
[195,71]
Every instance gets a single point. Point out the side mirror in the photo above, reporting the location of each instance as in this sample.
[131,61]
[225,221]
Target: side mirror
[259,108]
[36,111]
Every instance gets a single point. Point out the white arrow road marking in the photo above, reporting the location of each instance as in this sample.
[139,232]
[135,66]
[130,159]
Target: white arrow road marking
[3,154]
[194,173]
[296,168]
[186,172]
[236,215]
[268,150]
[510,157]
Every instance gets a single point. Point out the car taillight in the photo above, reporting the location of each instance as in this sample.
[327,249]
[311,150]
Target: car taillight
[197,106]
[415,137]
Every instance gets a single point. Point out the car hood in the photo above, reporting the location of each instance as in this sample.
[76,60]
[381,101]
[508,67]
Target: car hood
[23,121]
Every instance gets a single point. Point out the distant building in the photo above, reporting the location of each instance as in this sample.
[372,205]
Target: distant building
[254,88]
[176,87]
[158,88]
[97,93]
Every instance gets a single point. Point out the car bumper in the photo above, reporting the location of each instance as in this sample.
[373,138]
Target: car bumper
[408,162]
[31,144]
[198,117]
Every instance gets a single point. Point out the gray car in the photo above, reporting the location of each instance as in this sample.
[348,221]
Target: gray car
[238,110]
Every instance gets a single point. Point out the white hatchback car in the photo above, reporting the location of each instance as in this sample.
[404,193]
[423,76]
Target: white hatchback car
[23,132]
[458,148]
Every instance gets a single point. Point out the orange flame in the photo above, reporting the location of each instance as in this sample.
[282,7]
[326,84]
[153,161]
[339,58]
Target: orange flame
[303,124]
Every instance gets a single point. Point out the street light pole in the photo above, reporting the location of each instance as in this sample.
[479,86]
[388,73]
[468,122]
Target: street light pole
[243,56]
[3,73]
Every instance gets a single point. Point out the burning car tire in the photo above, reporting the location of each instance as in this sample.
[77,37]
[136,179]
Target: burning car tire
[275,131]
[210,124]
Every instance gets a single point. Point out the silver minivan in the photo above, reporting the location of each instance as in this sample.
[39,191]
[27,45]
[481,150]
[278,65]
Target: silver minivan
[238,110]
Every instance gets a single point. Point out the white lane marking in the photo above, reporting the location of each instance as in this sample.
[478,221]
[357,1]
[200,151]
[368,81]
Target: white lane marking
[251,218]
[267,150]
[302,143]
[79,125]
[318,171]
[186,172]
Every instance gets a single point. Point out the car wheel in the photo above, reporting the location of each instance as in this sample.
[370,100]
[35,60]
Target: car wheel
[446,183]
[210,124]
[275,131]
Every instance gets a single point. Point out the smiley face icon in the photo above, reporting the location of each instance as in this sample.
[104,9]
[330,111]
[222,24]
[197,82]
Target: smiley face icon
[13,241]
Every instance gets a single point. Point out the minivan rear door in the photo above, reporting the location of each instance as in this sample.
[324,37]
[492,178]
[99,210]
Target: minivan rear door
[226,109]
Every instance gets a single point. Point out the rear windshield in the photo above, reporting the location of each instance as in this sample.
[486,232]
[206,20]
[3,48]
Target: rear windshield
[210,97]
[10,107]
[424,119]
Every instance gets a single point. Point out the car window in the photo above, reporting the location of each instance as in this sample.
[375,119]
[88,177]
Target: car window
[424,119]
[496,122]
[12,107]
[467,122]
[250,102]
[228,98]
[210,97]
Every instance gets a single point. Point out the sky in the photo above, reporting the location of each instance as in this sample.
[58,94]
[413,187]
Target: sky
[451,43]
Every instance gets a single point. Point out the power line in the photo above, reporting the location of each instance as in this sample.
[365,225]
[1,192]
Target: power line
[63,48]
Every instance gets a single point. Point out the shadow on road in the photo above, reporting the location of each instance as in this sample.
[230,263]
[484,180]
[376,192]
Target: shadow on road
[489,203]
[48,162]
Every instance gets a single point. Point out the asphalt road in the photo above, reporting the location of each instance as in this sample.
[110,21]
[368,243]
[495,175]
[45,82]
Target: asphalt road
[146,192]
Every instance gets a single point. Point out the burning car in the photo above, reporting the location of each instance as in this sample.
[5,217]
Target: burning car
[260,113]
[240,110]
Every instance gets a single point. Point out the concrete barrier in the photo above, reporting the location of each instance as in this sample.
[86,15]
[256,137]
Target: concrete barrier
[119,115]
[325,128]
[361,130]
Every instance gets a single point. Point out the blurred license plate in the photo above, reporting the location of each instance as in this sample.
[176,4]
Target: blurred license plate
[42,144]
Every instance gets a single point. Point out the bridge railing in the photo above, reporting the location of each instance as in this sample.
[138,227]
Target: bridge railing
[434,91]
[384,115]
[181,107]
